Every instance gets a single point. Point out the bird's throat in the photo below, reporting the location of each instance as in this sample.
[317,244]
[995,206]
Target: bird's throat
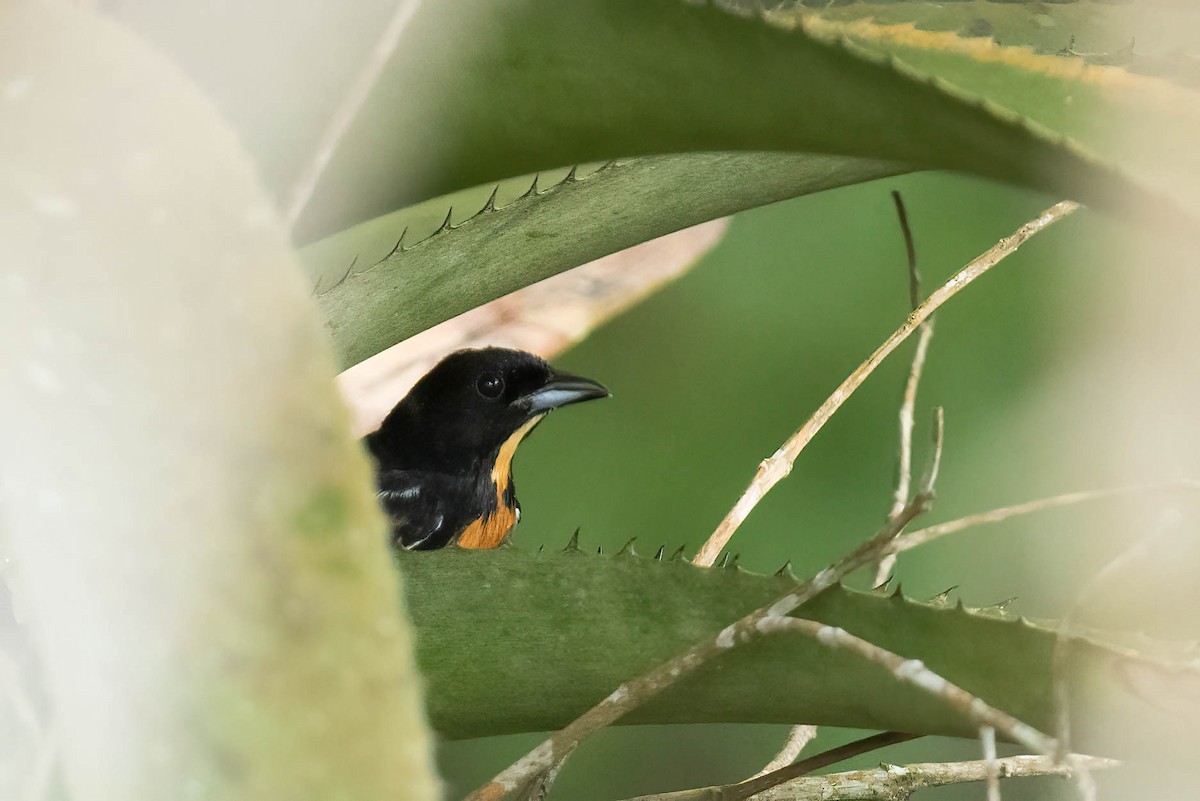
[490,530]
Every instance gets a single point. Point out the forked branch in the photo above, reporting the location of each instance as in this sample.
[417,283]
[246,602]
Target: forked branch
[908,405]
[774,468]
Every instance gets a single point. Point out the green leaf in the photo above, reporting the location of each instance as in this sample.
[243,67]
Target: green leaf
[373,292]
[513,642]
[922,97]
[546,84]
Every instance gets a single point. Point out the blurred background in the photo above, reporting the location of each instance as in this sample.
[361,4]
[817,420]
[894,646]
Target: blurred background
[712,373]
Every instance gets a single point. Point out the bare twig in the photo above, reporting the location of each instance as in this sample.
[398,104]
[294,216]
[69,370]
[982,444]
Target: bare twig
[759,784]
[910,249]
[922,536]
[893,782]
[801,735]
[987,738]
[340,122]
[539,786]
[908,404]
[935,461]
[797,739]
[914,672]
[774,468]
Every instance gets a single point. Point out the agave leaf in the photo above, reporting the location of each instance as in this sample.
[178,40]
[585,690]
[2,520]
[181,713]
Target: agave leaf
[515,642]
[546,84]
[375,290]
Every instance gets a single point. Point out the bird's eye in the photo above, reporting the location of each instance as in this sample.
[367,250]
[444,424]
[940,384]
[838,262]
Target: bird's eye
[490,385]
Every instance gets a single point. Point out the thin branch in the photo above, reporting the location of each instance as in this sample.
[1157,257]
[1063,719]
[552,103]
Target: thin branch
[635,692]
[760,784]
[797,739]
[778,465]
[908,405]
[935,461]
[987,738]
[922,536]
[801,735]
[539,787]
[914,672]
[910,249]
[894,782]
[353,102]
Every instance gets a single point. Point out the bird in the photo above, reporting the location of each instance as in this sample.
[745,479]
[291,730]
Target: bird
[444,453]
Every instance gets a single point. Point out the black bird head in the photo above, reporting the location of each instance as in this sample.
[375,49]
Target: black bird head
[472,404]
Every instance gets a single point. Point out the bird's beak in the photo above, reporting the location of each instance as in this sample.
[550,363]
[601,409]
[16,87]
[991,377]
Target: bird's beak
[561,390]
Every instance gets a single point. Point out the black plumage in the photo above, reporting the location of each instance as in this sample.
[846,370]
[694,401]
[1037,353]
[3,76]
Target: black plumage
[444,453]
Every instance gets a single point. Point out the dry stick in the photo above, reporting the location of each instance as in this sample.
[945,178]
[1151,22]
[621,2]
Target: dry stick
[908,404]
[910,249]
[757,785]
[349,108]
[802,734]
[760,784]
[894,783]
[907,542]
[635,692]
[779,464]
[914,672]
[987,737]
[797,738]
[540,787]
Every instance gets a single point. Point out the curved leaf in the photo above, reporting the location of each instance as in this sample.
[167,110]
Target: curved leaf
[375,292]
[544,83]
[513,642]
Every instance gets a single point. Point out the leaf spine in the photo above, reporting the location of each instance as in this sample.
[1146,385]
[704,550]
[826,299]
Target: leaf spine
[398,247]
[573,543]
[491,201]
[346,275]
[533,187]
[943,597]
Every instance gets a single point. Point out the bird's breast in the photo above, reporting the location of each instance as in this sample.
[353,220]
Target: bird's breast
[490,530]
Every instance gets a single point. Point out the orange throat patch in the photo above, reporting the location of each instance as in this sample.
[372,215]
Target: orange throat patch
[490,530]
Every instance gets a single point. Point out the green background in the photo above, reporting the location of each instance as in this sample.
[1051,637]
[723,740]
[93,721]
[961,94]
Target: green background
[713,373]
